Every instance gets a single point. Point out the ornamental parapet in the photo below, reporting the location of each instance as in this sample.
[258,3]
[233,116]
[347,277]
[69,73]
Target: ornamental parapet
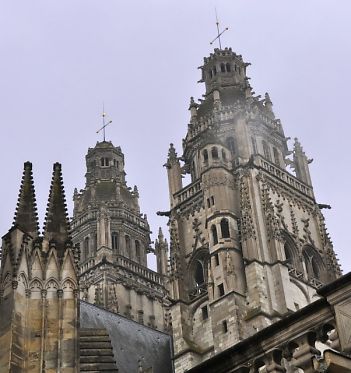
[283,175]
[187,192]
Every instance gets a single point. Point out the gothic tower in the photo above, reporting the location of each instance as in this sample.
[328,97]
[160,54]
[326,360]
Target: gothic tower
[39,286]
[114,239]
[248,239]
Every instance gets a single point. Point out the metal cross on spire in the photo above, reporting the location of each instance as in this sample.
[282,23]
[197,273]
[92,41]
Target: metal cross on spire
[219,34]
[104,124]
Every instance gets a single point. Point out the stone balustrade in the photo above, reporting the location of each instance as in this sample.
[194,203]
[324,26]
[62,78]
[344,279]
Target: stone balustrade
[187,192]
[284,176]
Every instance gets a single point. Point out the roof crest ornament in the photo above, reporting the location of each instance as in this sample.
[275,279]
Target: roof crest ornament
[104,124]
[219,34]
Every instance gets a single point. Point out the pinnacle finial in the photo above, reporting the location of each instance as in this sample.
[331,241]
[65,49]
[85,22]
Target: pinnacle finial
[26,216]
[56,225]
[160,234]
[172,154]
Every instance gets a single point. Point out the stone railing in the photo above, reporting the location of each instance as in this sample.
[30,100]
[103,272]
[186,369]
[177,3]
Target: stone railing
[284,176]
[187,192]
[114,213]
[127,264]
[139,269]
[87,264]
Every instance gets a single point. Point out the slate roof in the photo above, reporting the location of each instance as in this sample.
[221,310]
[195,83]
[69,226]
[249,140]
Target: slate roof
[131,341]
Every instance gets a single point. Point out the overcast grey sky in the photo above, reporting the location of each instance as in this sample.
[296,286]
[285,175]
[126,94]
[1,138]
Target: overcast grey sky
[61,59]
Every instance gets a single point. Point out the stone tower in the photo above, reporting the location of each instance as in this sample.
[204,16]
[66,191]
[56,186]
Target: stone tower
[39,286]
[248,239]
[114,239]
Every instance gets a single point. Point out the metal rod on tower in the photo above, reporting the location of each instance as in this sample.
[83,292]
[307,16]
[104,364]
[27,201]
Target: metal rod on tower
[104,125]
[219,34]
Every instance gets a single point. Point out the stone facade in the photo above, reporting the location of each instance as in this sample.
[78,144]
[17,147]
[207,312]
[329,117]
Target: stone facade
[39,286]
[248,240]
[114,238]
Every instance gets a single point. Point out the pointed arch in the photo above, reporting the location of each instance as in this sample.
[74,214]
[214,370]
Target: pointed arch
[197,272]
[291,252]
[315,266]
[115,241]
[214,234]
[214,153]
[22,277]
[225,228]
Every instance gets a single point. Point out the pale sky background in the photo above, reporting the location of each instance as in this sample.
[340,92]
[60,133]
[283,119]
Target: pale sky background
[61,59]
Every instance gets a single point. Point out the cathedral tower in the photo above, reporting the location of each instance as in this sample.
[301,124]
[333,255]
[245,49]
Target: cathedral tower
[248,239]
[114,239]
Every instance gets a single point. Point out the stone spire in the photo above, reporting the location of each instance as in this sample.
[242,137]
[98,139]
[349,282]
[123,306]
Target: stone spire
[26,216]
[161,250]
[172,156]
[174,173]
[56,225]
[268,104]
[301,163]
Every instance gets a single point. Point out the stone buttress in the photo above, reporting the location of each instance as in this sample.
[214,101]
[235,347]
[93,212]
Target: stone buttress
[39,286]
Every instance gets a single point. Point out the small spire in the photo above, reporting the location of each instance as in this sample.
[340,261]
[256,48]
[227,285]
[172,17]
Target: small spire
[297,146]
[26,216]
[192,103]
[136,191]
[172,155]
[56,225]
[160,235]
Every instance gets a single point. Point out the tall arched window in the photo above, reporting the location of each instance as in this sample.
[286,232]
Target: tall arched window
[86,248]
[224,155]
[225,228]
[199,275]
[231,144]
[254,145]
[276,156]
[193,170]
[105,162]
[127,238]
[266,151]
[205,155]
[214,234]
[314,264]
[115,241]
[222,67]
[210,74]
[228,67]
[214,153]
[137,250]
[288,255]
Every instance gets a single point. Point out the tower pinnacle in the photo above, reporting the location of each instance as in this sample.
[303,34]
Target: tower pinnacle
[26,216]
[56,225]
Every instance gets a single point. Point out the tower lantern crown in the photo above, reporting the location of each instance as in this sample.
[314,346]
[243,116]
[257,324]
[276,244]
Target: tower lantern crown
[223,68]
[104,162]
